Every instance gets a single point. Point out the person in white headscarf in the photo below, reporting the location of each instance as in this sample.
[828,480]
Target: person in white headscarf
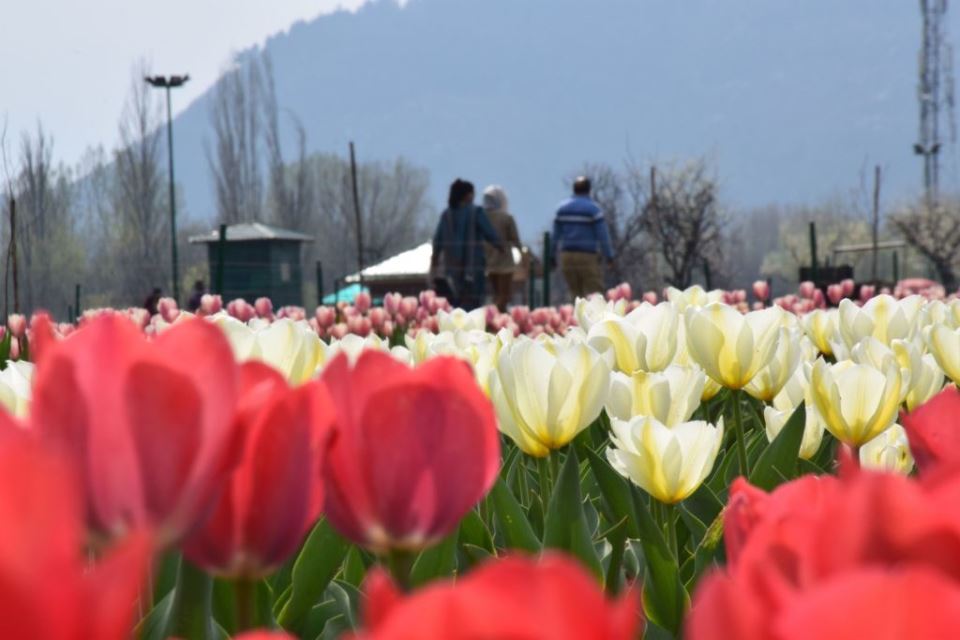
[501,267]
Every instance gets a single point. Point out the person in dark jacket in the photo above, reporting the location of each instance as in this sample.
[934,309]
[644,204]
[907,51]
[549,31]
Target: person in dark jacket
[459,241]
[199,289]
[150,304]
[580,239]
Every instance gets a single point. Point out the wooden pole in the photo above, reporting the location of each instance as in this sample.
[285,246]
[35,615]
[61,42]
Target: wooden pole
[356,210]
[76,300]
[221,251]
[546,268]
[813,252]
[876,223]
[13,254]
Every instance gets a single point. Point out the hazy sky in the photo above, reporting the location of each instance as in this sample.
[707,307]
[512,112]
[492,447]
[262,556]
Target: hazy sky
[68,63]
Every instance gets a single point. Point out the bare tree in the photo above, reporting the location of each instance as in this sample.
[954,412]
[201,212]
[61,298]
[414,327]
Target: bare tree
[935,233]
[393,200]
[289,195]
[48,252]
[235,159]
[682,218]
[139,199]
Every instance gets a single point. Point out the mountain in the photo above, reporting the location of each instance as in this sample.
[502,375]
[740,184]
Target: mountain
[792,100]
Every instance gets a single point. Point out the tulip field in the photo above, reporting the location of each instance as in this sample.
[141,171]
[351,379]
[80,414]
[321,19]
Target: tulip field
[699,464]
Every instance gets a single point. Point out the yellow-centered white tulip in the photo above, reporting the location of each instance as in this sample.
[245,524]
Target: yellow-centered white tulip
[292,348]
[768,382]
[16,381]
[731,347]
[460,320]
[671,396]
[889,451]
[883,317]
[820,325]
[944,344]
[874,353]
[669,463]
[543,400]
[695,296]
[793,394]
[857,401]
[644,340]
[590,310]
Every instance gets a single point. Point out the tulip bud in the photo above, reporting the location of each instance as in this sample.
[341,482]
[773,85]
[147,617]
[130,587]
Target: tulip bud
[210,304]
[167,309]
[391,303]
[263,307]
[867,291]
[848,286]
[761,290]
[408,307]
[17,323]
[325,316]
[835,294]
[889,451]
[363,302]
[377,316]
[806,289]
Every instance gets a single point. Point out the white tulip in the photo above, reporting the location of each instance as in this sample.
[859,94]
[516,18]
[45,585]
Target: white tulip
[643,340]
[768,382]
[543,400]
[944,344]
[694,296]
[458,319]
[794,393]
[671,396]
[594,308]
[883,317]
[857,401]
[820,325]
[889,451]
[669,463]
[15,385]
[731,347]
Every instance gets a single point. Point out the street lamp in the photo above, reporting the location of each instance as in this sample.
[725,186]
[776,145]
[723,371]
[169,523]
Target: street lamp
[171,82]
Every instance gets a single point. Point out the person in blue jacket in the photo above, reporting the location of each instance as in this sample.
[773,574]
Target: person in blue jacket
[459,241]
[580,239]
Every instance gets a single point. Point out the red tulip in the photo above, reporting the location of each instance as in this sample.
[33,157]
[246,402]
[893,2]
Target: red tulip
[934,433]
[148,424]
[275,495]
[813,540]
[552,598]
[264,635]
[48,590]
[413,450]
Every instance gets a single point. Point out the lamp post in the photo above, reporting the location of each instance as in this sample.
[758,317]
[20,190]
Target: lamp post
[171,82]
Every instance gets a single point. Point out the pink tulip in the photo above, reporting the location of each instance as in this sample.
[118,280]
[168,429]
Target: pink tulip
[17,323]
[761,290]
[819,300]
[650,297]
[339,330]
[325,316]
[807,288]
[520,313]
[210,304]
[835,293]
[387,329]
[363,302]
[391,303]
[625,291]
[14,348]
[359,325]
[408,307]
[848,286]
[167,309]
[264,308]
[377,316]
[867,291]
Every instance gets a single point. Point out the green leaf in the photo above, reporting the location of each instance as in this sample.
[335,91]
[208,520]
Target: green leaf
[778,462]
[318,562]
[439,561]
[354,568]
[615,490]
[566,523]
[473,531]
[665,598]
[190,615]
[511,521]
[5,350]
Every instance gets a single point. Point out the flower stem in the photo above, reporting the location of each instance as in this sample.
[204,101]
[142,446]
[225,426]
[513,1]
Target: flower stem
[611,584]
[546,479]
[741,437]
[400,563]
[671,517]
[245,594]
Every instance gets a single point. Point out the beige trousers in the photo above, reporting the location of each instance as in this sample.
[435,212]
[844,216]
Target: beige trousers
[582,273]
